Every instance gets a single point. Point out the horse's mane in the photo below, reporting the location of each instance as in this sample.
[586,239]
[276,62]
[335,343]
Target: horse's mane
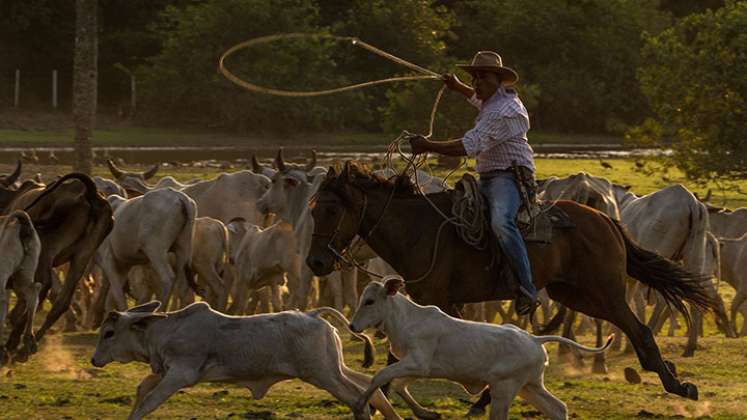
[359,175]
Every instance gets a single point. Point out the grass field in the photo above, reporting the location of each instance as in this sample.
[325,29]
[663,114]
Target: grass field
[60,382]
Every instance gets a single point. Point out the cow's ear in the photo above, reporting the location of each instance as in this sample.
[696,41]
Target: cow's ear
[392,285]
[141,321]
[626,187]
[151,306]
[331,172]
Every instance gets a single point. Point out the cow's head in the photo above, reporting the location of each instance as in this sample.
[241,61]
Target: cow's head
[375,303]
[122,335]
[132,182]
[289,189]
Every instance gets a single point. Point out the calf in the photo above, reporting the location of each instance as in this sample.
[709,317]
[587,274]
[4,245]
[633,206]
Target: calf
[20,248]
[430,343]
[197,344]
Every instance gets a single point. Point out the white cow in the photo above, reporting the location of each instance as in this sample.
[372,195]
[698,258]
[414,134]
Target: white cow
[197,344]
[727,223]
[146,229]
[261,258]
[674,224]
[108,187]
[431,344]
[20,247]
[209,258]
[734,271]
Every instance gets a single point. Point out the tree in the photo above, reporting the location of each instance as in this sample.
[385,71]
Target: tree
[695,79]
[84,82]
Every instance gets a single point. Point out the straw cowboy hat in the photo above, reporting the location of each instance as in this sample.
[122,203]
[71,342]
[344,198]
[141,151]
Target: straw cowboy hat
[491,61]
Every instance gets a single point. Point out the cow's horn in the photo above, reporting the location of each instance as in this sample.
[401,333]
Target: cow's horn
[114,170]
[152,171]
[12,178]
[256,166]
[279,160]
[312,164]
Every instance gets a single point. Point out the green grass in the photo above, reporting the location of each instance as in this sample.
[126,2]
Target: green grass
[59,382]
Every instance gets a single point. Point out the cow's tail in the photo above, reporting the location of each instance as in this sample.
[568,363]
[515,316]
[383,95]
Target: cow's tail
[189,212]
[368,348]
[542,339]
[26,233]
[671,280]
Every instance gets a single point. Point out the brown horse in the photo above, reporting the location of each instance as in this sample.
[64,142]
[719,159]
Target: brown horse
[583,268]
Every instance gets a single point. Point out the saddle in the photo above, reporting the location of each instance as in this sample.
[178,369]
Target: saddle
[536,219]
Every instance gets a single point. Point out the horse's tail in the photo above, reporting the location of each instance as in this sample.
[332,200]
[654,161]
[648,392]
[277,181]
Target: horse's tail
[665,276]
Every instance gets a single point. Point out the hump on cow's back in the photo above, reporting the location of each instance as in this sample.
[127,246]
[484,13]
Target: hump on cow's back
[191,309]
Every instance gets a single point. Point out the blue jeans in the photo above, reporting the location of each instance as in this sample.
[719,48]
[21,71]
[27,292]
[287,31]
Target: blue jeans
[504,200]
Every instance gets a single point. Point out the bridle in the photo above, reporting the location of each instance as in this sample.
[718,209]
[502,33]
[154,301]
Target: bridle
[341,254]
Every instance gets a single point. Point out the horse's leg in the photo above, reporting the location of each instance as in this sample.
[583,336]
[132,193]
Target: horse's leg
[692,335]
[600,360]
[565,354]
[612,307]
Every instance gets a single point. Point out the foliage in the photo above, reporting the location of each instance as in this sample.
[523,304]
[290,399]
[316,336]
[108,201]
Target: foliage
[695,81]
[581,54]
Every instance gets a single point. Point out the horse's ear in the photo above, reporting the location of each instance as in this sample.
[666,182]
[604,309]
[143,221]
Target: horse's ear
[346,171]
[393,284]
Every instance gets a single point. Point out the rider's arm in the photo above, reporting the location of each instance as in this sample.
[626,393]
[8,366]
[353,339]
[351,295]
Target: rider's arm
[453,83]
[449,147]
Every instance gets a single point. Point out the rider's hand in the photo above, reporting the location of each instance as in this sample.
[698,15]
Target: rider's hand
[451,81]
[419,144]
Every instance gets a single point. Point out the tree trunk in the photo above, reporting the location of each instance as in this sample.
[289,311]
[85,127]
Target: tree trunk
[85,82]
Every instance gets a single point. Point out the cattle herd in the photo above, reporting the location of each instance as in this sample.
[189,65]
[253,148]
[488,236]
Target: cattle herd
[238,244]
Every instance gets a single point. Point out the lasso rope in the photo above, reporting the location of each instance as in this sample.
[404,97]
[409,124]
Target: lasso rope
[467,213]
[426,74]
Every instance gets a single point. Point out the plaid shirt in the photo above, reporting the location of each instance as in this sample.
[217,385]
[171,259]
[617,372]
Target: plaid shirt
[500,133]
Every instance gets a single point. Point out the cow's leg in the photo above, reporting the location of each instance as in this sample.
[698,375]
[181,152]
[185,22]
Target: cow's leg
[400,387]
[159,262]
[334,285]
[540,398]
[4,358]
[402,369]
[263,294]
[565,354]
[175,379]
[692,335]
[378,400]
[739,298]
[116,275]
[29,291]
[276,297]
[145,386]
[502,393]
[657,316]
[207,273]
[349,288]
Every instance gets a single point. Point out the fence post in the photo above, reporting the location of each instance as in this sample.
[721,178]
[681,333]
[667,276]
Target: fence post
[54,89]
[17,91]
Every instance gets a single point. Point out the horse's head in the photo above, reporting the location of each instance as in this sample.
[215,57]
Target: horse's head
[337,209]
[342,209]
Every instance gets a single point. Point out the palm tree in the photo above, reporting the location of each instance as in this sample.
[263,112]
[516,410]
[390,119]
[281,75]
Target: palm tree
[85,81]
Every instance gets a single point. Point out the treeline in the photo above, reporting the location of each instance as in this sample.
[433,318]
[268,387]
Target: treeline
[579,60]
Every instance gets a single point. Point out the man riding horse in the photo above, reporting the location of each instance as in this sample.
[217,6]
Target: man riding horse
[499,143]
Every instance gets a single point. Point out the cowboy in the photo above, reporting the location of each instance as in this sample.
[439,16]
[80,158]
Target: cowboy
[498,141]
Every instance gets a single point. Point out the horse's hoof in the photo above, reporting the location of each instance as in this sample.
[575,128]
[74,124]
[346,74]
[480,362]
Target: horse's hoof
[632,376]
[476,412]
[672,368]
[691,391]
